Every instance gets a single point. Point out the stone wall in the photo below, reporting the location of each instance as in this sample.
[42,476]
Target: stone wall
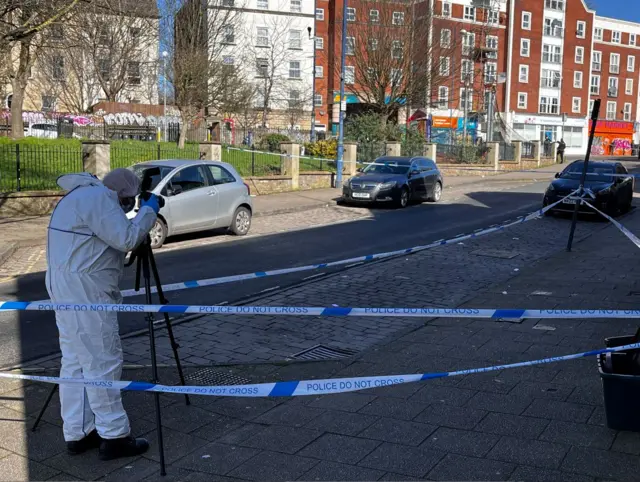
[268,185]
[28,203]
[466,169]
[316,180]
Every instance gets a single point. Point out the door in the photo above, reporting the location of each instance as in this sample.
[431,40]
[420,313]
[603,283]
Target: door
[192,201]
[230,193]
[625,186]
[430,176]
[416,181]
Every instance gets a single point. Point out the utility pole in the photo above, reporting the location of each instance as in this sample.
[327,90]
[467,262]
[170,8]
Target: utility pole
[165,54]
[313,82]
[466,108]
[343,60]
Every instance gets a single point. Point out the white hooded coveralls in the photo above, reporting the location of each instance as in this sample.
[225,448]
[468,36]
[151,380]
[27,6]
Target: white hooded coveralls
[88,238]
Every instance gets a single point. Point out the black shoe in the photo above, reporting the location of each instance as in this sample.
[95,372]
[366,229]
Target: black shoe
[91,441]
[122,447]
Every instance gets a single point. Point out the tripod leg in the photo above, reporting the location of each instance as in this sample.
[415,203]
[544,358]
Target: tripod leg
[167,321]
[44,408]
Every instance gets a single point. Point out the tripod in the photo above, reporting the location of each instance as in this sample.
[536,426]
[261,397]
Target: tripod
[145,264]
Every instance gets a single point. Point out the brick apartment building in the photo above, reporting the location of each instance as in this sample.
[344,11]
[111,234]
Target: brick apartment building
[544,63]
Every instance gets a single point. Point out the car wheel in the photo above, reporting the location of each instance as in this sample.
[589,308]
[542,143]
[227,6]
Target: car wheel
[436,194]
[158,234]
[403,199]
[241,222]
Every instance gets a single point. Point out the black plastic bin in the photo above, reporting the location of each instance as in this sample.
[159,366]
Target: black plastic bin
[621,390]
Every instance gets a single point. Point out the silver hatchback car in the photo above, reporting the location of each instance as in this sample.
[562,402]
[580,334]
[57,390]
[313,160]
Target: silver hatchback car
[199,195]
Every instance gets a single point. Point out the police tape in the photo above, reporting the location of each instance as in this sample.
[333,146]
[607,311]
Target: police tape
[632,237]
[280,154]
[319,311]
[326,386]
[370,257]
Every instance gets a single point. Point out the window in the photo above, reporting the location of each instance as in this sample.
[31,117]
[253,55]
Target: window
[133,73]
[576,104]
[524,74]
[468,42]
[581,29]
[228,34]
[228,3]
[104,69]
[490,72]
[319,43]
[577,80]
[632,39]
[374,16]
[444,66]
[493,17]
[612,89]
[396,77]
[554,4]
[614,64]
[294,69]
[398,18]
[220,175]
[103,35]
[445,38]
[296,5]
[550,79]
[48,103]
[492,45]
[263,37]
[591,103]
[349,74]
[469,13]
[616,37]
[572,136]
[631,63]
[628,88]
[443,97]
[294,99]
[596,61]
[595,84]
[552,54]
[466,99]
[319,13]
[612,107]
[373,44]
[553,28]
[597,33]
[189,178]
[549,105]
[579,55]
[397,50]
[262,67]
[351,46]
[228,60]
[57,67]
[525,47]
[466,70]
[317,100]
[263,4]
[319,71]
[295,40]
[522,100]
[351,14]
[526,20]
[446,9]
[627,111]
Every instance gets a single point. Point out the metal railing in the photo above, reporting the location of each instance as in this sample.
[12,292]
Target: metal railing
[459,153]
[252,162]
[528,150]
[507,152]
[125,156]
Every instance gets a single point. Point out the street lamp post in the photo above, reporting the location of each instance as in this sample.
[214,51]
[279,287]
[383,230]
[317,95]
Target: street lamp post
[453,78]
[343,61]
[466,108]
[165,54]
[313,85]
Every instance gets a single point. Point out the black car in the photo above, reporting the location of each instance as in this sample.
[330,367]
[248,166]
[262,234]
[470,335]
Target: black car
[396,180]
[613,194]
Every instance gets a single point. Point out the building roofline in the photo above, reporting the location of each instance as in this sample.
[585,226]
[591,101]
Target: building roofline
[618,20]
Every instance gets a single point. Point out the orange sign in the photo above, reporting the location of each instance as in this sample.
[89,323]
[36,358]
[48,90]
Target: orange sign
[613,127]
[444,122]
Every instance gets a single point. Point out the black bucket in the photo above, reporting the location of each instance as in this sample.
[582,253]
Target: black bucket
[620,373]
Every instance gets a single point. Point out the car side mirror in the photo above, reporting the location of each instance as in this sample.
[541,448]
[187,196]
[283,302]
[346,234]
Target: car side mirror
[359,170]
[557,176]
[175,190]
[414,172]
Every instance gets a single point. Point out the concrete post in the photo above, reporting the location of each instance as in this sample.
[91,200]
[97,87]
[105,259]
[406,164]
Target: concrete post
[537,151]
[554,156]
[393,148]
[210,151]
[96,158]
[517,154]
[493,155]
[350,165]
[291,162]
[430,152]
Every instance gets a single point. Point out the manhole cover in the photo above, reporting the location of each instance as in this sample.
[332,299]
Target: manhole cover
[496,253]
[211,377]
[322,352]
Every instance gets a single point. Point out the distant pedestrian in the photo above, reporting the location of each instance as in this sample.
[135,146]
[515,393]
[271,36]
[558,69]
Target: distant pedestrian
[547,146]
[560,154]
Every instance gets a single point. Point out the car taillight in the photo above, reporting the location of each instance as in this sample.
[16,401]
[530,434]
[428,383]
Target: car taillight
[248,188]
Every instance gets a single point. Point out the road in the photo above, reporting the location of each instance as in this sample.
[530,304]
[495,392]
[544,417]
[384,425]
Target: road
[28,335]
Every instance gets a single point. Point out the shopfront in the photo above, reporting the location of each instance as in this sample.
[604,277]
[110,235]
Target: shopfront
[538,128]
[450,130]
[612,138]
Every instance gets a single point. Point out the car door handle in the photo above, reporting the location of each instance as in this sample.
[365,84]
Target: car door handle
[212,193]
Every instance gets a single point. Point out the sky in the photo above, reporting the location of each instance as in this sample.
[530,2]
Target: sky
[622,9]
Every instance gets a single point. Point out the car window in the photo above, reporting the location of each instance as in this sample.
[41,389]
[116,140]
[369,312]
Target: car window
[189,178]
[150,176]
[430,165]
[221,175]
[44,127]
[381,166]
[620,169]
[595,172]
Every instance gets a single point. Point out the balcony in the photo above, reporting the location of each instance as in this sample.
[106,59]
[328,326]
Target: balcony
[550,83]
[552,59]
[612,92]
[614,69]
[594,90]
[596,66]
[556,32]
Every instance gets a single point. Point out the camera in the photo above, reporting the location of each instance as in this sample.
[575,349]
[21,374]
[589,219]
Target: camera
[146,195]
[145,188]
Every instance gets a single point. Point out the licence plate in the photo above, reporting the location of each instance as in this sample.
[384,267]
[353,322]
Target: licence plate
[569,201]
[361,195]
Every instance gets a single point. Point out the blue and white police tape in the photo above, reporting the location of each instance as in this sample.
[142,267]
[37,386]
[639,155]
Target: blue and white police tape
[303,387]
[634,239]
[276,272]
[334,311]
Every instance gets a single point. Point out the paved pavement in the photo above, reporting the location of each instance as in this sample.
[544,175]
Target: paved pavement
[537,423]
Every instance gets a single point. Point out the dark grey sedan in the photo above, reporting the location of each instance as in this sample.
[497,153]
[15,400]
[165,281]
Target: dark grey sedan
[396,180]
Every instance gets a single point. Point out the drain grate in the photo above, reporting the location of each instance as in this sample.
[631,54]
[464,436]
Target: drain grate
[496,253]
[323,352]
[209,376]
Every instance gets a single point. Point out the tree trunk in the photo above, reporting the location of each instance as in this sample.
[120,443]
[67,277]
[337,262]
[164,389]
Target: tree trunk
[184,127]
[18,87]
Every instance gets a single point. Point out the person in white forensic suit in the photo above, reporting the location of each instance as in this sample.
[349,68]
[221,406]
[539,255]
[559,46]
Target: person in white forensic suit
[87,241]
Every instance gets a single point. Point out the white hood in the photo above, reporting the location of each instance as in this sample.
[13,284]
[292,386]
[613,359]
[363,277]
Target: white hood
[69,182]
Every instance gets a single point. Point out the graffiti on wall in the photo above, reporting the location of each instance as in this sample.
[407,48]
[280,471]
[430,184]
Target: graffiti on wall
[99,118]
[614,146]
